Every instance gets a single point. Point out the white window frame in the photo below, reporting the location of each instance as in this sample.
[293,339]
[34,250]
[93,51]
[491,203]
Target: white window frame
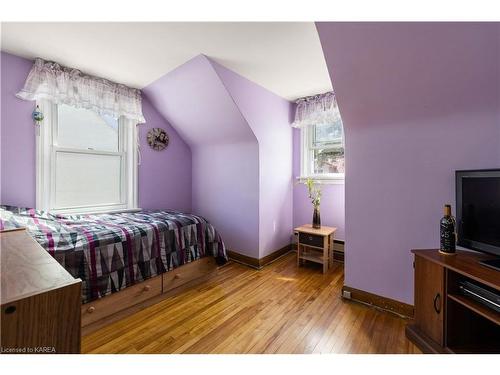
[307,160]
[47,148]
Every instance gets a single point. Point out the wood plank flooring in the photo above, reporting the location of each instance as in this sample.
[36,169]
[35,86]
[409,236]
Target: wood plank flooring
[279,309]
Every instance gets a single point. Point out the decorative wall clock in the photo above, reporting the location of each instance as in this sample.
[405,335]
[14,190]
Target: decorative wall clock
[157,139]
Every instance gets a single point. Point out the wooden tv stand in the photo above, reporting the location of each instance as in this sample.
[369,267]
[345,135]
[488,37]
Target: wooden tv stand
[445,320]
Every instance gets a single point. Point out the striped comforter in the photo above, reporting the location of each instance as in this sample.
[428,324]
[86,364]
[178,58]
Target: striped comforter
[109,252]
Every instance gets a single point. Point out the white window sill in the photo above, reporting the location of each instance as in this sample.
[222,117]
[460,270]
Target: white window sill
[94,211]
[327,180]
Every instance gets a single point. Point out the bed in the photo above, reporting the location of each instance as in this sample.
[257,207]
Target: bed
[111,252]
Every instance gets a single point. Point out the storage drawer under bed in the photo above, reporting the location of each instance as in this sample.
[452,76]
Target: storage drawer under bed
[188,272]
[155,286]
[101,308]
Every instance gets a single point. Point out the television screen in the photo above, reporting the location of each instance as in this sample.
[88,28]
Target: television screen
[478,210]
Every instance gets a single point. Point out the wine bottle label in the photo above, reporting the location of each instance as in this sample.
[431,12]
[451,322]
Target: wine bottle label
[447,231]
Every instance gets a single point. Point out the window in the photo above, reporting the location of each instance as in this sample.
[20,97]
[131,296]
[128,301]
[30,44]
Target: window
[323,151]
[85,162]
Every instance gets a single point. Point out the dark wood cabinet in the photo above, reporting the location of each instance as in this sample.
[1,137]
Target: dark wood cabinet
[445,320]
[429,292]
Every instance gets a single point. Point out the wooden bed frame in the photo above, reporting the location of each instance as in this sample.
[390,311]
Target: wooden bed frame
[106,310]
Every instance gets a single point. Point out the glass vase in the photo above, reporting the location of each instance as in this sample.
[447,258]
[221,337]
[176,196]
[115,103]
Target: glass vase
[316,218]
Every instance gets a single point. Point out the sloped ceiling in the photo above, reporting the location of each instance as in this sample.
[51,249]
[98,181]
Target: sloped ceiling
[193,99]
[391,72]
[284,57]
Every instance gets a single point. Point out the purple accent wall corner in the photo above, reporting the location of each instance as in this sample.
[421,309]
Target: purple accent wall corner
[268,115]
[225,152]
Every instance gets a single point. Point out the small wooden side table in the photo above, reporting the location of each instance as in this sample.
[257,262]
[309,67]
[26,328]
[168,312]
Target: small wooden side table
[315,245]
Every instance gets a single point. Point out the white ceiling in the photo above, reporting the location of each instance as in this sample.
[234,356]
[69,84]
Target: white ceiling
[286,58]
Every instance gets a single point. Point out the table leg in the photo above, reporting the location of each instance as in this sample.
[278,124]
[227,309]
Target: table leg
[298,254]
[332,237]
[325,253]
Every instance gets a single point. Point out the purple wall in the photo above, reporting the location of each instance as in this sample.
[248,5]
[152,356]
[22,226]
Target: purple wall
[226,192]
[17,134]
[418,101]
[332,198]
[164,177]
[269,117]
[225,166]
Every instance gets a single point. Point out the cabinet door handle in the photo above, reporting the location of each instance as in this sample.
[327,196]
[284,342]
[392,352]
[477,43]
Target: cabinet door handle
[437,303]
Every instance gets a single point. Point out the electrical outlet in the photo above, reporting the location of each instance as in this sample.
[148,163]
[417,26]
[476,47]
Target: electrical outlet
[346,294]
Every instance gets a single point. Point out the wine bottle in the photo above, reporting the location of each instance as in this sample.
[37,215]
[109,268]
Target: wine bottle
[447,231]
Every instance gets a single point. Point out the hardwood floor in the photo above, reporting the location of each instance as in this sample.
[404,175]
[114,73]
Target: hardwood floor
[279,309]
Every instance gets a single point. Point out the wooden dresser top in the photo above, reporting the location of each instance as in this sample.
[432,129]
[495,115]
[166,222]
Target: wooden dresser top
[465,263]
[27,269]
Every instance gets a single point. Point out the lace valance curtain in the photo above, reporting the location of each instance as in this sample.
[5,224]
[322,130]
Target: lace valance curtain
[316,110]
[62,85]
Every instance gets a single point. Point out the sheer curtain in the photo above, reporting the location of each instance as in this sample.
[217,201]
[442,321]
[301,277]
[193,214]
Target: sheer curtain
[62,85]
[316,110]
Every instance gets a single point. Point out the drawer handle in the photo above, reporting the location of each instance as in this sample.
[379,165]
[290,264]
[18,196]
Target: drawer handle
[437,303]
[177,276]
[10,310]
[91,309]
[147,288]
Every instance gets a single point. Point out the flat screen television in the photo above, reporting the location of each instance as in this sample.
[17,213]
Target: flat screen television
[478,212]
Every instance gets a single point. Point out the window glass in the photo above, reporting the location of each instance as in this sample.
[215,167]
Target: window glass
[329,161]
[87,179]
[322,148]
[85,129]
[327,149]
[327,135]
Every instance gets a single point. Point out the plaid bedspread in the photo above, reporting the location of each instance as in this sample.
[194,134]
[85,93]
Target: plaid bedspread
[109,252]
